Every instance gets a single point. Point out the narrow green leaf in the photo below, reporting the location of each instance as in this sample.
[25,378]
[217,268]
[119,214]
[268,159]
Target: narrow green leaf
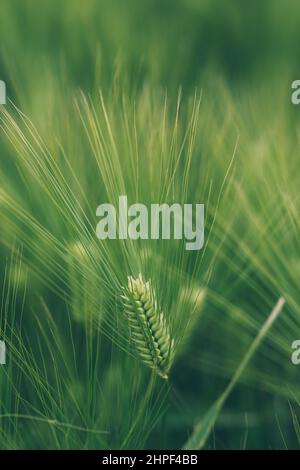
[205,426]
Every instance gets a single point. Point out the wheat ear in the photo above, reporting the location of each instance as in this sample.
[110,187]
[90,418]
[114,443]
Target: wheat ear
[148,328]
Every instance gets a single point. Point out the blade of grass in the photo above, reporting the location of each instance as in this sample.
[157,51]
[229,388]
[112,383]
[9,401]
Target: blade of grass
[52,422]
[205,426]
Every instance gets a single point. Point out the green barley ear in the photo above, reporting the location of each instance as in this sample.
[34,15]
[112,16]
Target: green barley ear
[148,328]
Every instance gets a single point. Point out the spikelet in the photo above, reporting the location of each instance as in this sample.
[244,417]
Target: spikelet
[149,330]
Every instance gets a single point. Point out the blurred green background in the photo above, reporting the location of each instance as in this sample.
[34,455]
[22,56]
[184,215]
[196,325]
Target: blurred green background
[168,43]
[241,57]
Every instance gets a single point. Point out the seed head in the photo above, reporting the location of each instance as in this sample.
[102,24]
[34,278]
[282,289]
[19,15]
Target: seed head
[148,327]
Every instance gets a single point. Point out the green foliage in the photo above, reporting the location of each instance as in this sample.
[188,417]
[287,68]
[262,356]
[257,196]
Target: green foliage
[204,428]
[181,101]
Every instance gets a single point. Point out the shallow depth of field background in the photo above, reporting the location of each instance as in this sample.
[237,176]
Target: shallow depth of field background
[230,65]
